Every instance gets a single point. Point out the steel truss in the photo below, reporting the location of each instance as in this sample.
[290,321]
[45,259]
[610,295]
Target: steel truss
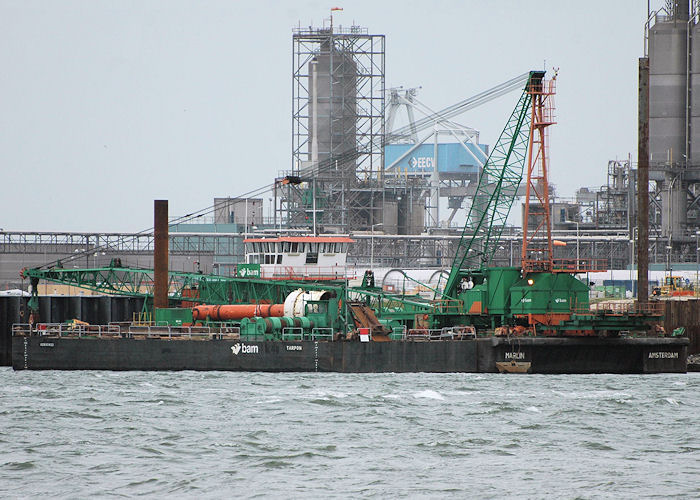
[69,244]
[436,251]
[614,201]
[341,176]
[182,286]
[537,253]
[679,248]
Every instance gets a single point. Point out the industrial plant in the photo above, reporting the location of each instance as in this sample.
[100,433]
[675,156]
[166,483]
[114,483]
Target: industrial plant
[400,177]
[495,272]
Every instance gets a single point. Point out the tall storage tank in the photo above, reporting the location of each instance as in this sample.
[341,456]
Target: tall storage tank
[667,87]
[332,104]
[390,217]
[411,215]
[695,95]
[669,131]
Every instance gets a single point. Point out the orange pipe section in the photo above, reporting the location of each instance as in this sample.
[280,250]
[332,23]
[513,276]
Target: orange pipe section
[237,311]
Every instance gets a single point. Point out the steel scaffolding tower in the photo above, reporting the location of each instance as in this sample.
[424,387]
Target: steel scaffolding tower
[337,130]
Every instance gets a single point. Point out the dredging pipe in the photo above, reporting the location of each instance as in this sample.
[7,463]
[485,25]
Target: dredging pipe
[237,311]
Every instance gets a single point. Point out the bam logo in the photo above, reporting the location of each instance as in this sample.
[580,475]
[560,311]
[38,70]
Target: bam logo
[244,349]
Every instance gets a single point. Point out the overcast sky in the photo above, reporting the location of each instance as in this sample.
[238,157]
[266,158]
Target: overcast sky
[108,105]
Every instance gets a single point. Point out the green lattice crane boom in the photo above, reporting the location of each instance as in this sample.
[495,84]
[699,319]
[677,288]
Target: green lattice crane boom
[495,192]
[183,286]
[115,280]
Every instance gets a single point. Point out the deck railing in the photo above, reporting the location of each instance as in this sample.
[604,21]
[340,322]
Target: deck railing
[307,272]
[131,331]
[446,333]
[621,308]
[579,265]
[66,330]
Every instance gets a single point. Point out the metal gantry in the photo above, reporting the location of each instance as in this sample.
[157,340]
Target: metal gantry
[337,128]
[537,228]
[68,244]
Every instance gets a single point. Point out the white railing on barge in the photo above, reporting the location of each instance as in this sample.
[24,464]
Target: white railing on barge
[116,330]
[309,272]
[446,333]
[66,330]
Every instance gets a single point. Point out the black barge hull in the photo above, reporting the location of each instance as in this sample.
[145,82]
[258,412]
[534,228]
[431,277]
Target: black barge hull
[546,355]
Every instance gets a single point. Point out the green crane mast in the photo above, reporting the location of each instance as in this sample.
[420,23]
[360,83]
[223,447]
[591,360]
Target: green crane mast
[495,192]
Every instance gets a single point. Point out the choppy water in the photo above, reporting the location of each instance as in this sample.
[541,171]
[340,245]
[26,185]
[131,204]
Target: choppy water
[219,435]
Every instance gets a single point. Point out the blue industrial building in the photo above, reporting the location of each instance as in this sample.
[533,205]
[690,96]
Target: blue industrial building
[452,158]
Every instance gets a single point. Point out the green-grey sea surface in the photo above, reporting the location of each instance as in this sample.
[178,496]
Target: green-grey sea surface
[284,435]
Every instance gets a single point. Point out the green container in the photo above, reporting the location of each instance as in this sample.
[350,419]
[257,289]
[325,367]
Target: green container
[499,282]
[541,293]
[173,316]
